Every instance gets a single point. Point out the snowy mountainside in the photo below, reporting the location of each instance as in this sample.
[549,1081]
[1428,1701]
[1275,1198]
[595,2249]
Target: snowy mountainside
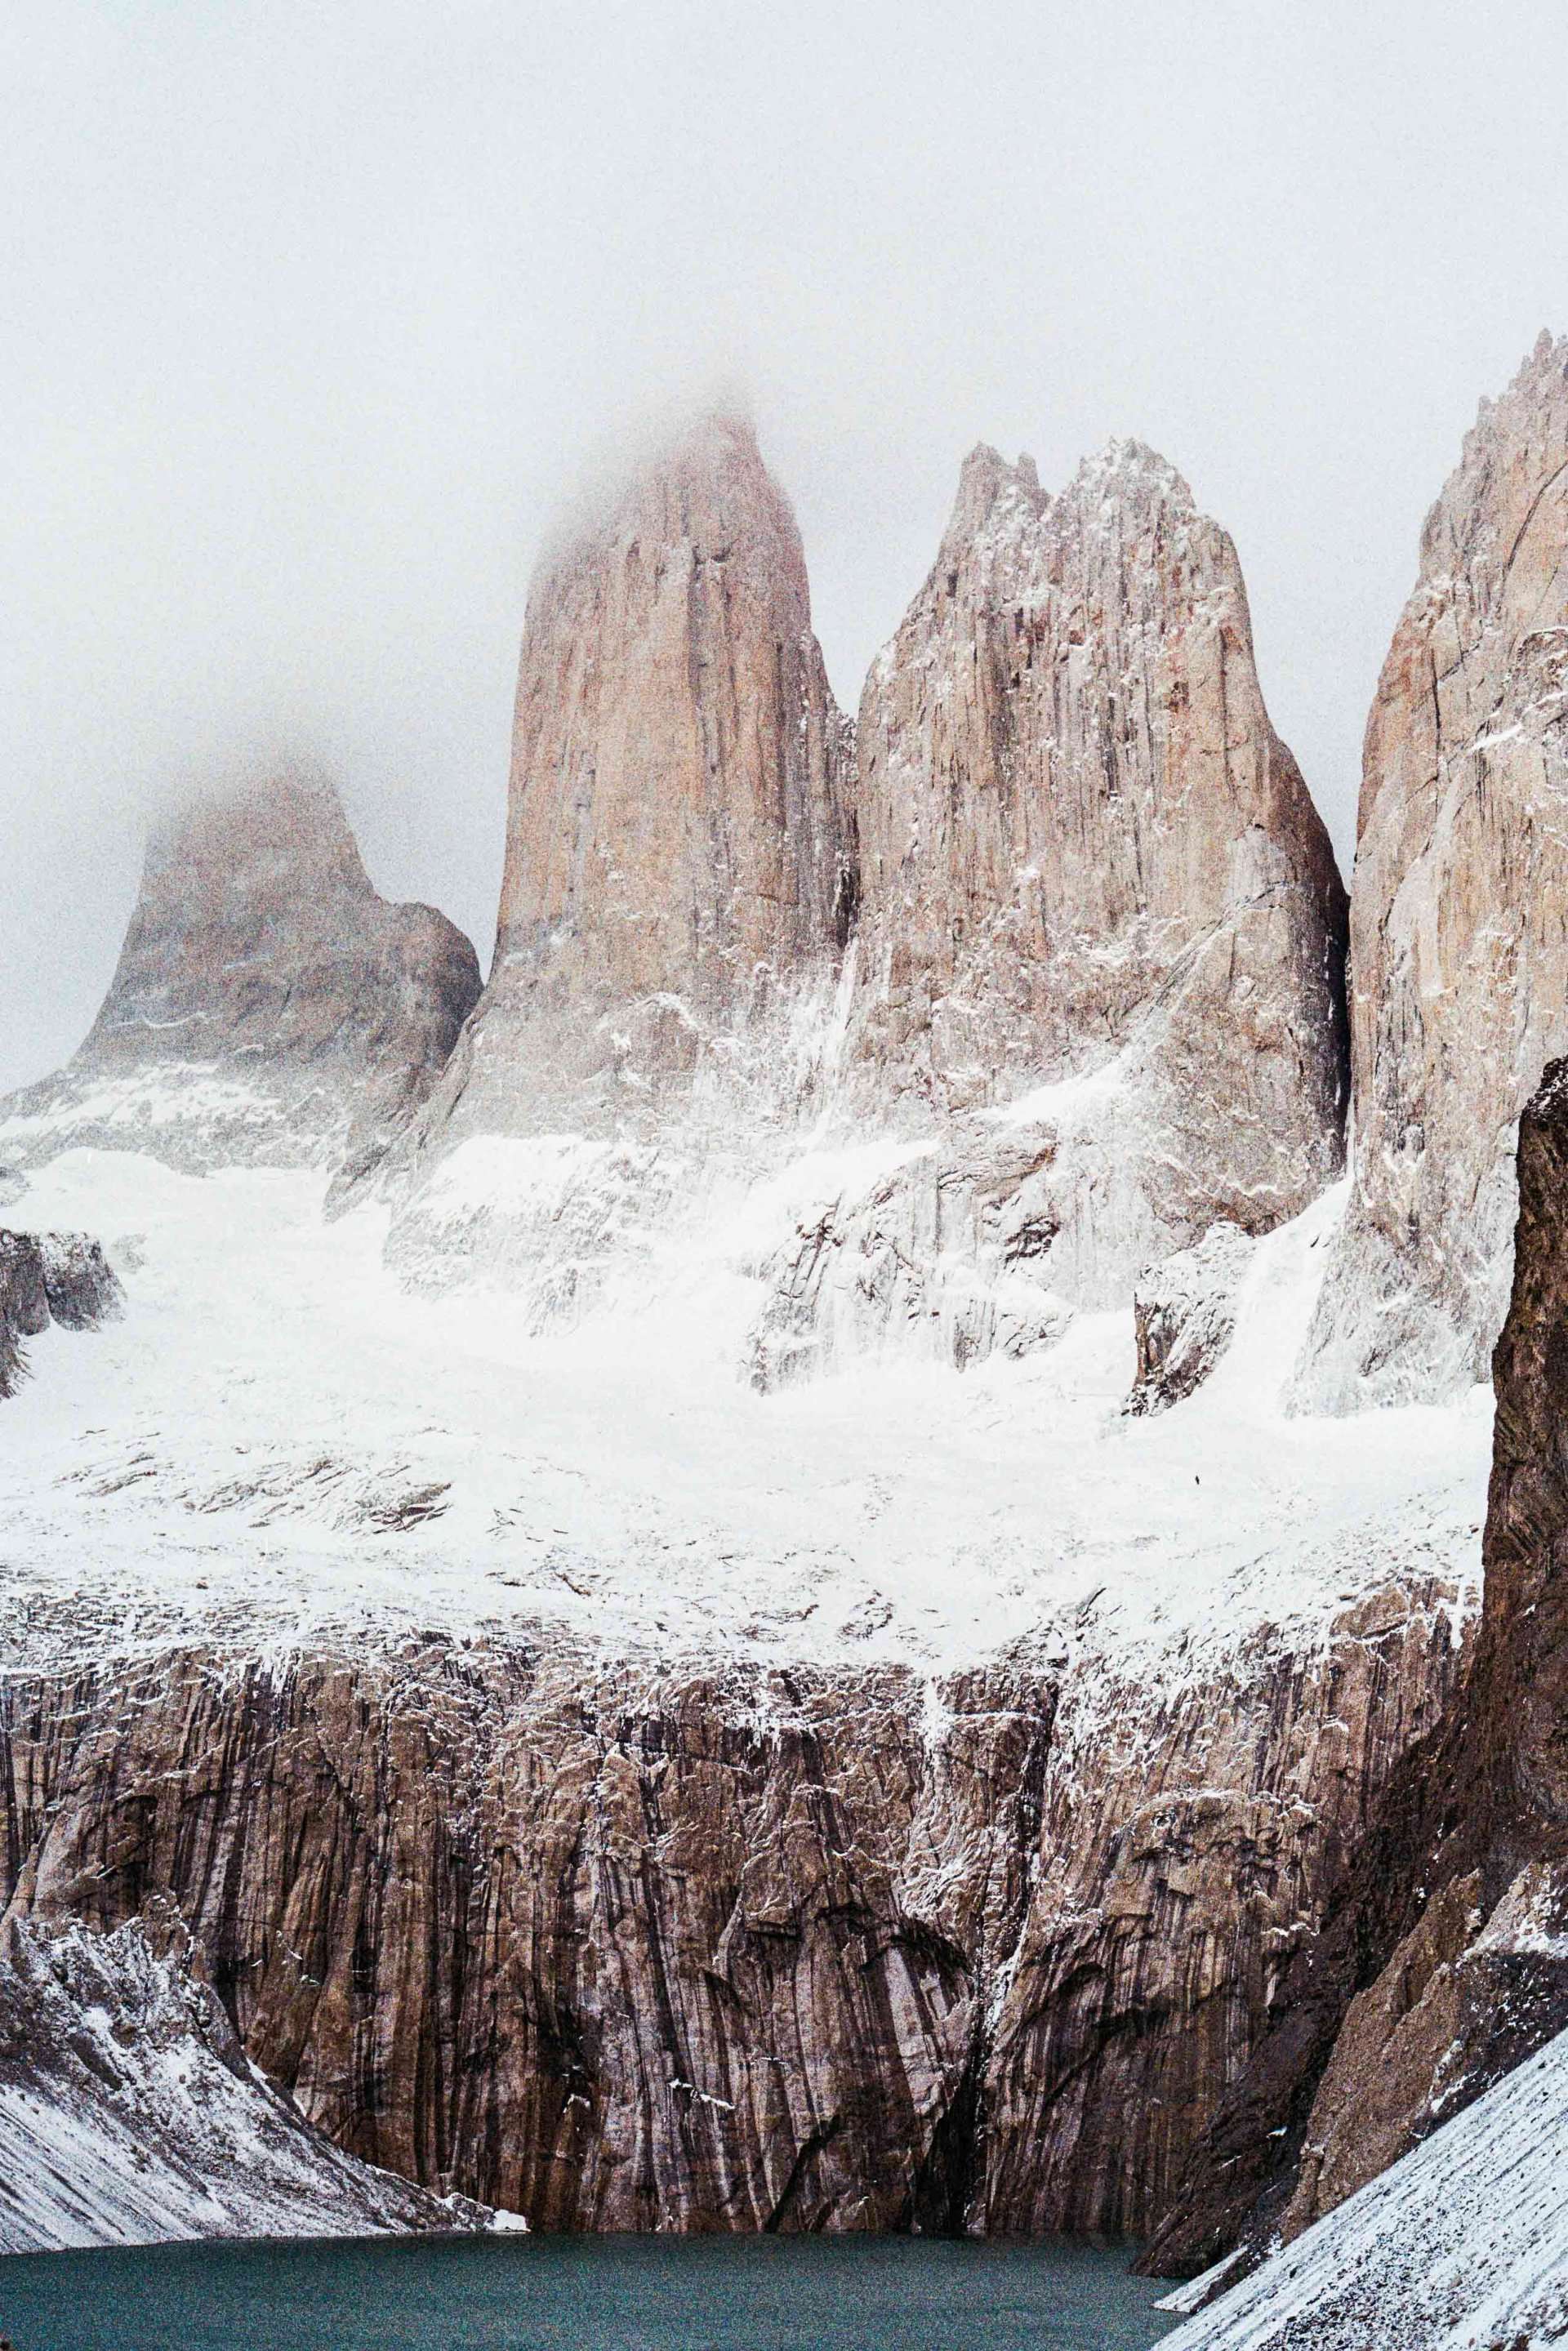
[1462,2245]
[129,2113]
[276,1443]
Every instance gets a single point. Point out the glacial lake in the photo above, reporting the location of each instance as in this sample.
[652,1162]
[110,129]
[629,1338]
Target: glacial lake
[581,2294]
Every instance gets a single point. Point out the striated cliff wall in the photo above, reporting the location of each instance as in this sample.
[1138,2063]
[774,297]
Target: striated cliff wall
[1099,964]
[796,1947]
[680,880]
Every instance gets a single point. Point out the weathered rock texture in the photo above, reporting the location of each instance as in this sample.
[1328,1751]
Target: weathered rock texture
[267,1005]
[47,1278]
[1460,918]
[1444,1961]
[1184,1317]
[1097,906]
[804,1948]
[680,874]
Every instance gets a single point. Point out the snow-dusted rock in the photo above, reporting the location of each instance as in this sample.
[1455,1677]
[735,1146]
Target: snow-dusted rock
[1089,866]
[1462,2246]
[679,852]
[1460,914]
[1444,1960]
[1183,1312]
[129,2112]
[269,1007]
[47,1278]
[80,1286]
[933,1256]
[558,1750]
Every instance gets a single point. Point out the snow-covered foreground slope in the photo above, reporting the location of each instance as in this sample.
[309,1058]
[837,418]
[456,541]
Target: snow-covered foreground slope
[277,1443]
[1461,2246]
[129,2114]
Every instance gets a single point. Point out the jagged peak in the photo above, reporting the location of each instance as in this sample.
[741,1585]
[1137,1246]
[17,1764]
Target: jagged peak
[1537,392]
[991,494]
[1126,471]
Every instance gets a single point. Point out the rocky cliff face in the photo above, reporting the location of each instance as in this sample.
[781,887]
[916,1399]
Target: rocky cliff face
[1445,1960]
[267,1005]
[635,1947]
[1458,951]
[1101,934]
[680,857]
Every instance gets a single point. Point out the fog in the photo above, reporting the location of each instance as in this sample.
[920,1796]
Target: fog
[311,312]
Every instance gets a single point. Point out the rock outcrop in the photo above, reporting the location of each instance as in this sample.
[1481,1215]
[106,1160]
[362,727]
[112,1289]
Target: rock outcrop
[45,1278]
[680,857]
[1101,931]
[1183,1315]
[633,1947]
[267,1008]
[1445,1960]
[1460,917]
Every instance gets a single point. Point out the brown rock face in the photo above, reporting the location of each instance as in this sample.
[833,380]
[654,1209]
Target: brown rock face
[1073,803]
[1098,907]
[1445,1960]
[761,1949]
[1459,920]
[267,1001]
[679,842]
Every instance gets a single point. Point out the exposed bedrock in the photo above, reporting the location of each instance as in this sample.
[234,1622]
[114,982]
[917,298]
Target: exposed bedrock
[269,1007]
[769,1948]
[680,862]
[679,883]
[62,1278]
[1100,917]
[1459,916]
[1445,1957]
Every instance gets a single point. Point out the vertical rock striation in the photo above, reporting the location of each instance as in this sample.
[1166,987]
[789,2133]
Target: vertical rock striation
[680,870]
[627,1946]
[268,1006]
[1101,933]
[1459,916]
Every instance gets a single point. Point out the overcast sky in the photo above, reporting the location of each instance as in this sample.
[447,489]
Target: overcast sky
[310,310]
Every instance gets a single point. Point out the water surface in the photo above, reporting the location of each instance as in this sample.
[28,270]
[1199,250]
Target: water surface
[581,2293]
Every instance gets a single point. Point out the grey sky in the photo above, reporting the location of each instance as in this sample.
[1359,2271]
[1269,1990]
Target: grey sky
[310,311]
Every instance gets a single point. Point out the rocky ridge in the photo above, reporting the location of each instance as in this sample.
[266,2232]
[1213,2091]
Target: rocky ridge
[1059,957]
[1458,945]
[268,1007]
[633,1945]
[1100,952]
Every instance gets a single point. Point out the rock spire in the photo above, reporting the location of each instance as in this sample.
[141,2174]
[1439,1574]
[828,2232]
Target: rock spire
[268,1003]
[1459,916]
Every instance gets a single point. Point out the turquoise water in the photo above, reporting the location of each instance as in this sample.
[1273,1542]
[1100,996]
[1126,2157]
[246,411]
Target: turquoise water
[581,2293]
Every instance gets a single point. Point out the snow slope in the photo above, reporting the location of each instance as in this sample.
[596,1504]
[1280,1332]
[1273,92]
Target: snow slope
[129,2114]
[1461,2246]
[277,1443]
